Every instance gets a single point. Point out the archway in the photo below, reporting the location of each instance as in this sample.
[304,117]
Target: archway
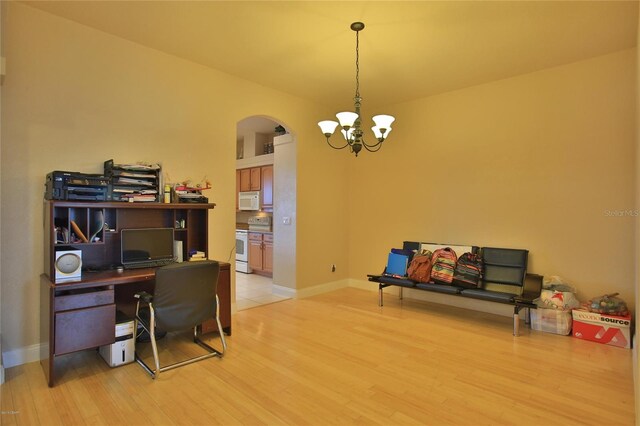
[266,143]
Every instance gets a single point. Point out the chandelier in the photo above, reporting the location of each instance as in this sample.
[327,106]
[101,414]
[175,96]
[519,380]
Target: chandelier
[350,121]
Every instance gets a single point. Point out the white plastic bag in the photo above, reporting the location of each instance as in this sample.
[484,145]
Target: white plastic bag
[556,294]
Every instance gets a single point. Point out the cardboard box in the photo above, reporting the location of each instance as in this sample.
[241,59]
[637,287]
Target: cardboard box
[554,321]
[601,328]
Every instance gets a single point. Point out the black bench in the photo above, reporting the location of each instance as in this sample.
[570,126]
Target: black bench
[504,280]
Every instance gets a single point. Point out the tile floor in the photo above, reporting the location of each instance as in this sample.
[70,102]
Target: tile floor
[254,290]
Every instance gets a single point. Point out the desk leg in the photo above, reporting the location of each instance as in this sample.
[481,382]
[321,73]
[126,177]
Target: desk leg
[47,332]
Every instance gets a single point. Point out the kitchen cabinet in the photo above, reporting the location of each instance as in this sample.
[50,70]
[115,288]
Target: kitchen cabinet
[261,252]
[267,253]
[250,179]
[267,188]
[256,179]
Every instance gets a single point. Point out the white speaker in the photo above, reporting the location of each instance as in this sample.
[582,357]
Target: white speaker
[68,265]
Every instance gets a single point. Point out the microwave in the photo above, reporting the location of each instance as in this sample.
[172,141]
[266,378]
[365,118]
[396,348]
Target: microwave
[249,200]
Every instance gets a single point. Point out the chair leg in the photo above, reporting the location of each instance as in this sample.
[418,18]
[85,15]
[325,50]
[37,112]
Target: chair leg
[154,344]
[516,321]
[152,335]
[196,338]
[224,341]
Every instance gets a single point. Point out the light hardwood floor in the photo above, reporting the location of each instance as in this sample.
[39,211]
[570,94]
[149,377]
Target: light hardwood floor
[337,358]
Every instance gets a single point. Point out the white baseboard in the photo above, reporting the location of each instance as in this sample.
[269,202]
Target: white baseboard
[363,284]
[309,291]
[21,356]
[283,291]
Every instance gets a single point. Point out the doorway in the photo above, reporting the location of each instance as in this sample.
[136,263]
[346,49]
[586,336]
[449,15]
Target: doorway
[261,167]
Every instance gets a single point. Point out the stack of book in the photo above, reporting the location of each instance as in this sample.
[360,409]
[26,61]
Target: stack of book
[133,182]
[195,256]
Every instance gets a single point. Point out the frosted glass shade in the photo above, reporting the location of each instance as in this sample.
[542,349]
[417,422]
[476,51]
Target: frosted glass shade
[328,127]
[347,133]
[383,121]
[347,118]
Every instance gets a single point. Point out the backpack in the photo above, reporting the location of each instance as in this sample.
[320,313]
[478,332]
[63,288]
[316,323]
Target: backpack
[468,271]
[444,263]
[420,267]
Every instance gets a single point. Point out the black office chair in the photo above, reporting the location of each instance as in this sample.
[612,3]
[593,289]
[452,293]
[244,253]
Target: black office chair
[184,297]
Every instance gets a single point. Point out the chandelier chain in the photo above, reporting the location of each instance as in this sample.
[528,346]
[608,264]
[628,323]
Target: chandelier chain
[357,64]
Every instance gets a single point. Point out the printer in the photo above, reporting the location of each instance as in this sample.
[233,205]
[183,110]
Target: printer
[61,185]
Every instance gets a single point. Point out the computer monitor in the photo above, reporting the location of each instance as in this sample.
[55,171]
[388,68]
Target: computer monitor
[146,245]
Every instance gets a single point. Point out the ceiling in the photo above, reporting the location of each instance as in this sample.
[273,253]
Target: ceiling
[408,49]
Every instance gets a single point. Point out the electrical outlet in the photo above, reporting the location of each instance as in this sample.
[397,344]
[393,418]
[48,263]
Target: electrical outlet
[333,268]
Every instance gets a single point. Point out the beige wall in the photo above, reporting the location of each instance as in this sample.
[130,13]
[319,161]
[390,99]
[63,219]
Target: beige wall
[531,162]
[74,97]
[636,361]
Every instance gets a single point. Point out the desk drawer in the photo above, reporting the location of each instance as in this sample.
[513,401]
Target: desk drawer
[83,299]
[84,328]
[268,238]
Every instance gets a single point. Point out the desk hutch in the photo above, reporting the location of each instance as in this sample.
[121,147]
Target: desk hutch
[81,315]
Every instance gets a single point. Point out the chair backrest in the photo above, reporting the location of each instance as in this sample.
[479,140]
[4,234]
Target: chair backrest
[185,294]
[504,269]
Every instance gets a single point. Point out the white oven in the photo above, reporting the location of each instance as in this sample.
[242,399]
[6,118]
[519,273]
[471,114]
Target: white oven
[242,251]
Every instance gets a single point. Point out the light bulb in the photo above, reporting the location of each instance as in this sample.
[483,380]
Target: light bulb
[347,134]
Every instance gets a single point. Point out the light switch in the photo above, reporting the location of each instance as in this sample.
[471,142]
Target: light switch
[286,220]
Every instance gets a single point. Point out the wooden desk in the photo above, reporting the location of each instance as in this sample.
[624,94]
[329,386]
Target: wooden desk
[81,315]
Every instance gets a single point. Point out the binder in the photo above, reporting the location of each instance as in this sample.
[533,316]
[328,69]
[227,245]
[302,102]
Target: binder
[397,264]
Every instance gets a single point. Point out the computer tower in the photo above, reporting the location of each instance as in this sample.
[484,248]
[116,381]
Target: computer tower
[123,350]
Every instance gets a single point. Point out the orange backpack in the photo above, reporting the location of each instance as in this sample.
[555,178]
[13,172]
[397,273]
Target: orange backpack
[420,268]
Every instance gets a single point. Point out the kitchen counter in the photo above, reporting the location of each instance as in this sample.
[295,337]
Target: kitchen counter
[245,227]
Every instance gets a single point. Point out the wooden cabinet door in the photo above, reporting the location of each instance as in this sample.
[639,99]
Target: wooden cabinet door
[267,188]
[256,182]
[267,257]
[245,180]
[255,251]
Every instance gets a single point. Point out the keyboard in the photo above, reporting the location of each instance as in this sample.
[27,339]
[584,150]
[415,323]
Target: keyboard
[149,264]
